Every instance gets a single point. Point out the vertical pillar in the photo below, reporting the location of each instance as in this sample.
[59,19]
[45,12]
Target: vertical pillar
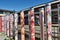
[0,24]
[3,24]
[48,23]
[7,19]
[11,25]
[42,23]
[31,24]
[16,26]
[59,21]
[22,26]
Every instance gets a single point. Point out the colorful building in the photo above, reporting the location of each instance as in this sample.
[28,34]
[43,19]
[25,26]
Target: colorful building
[4,12]
[55,5]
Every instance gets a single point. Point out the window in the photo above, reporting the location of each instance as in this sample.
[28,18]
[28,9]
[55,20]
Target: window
[54,17]
[37,19]
[26,20]
[1,12]
[19,22]
[54,13]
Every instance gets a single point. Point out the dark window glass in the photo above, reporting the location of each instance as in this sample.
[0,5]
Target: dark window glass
[19,19]
[54,17]
[1,12]
[26,20]
[37,19]
[45,17]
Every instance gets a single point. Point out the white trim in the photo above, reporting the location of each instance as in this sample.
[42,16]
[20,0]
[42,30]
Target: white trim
[45,4]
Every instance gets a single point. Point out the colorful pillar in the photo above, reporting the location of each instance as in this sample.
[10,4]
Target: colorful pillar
[22,26]
[41,23]
[31,24]
[7,19]
[48,23]
[3,24]
[0,24]
[11,25]
[16,26]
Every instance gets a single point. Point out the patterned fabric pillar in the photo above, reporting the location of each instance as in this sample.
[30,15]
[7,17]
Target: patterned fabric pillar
[11,25]
[22,26]
[7,19]
[41,23]
[49,24]
[3,24]
[0,24]
[31,24]
[16,26]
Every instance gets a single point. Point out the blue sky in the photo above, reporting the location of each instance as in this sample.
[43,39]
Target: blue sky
[20,4]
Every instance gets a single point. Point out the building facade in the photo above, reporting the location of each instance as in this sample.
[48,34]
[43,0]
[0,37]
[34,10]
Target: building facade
[3,12]
[54,11]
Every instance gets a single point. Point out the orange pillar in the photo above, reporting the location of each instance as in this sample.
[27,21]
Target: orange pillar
[22,26]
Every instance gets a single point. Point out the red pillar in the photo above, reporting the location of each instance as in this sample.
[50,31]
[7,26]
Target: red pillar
[31,24]
[0,24]
[3,24]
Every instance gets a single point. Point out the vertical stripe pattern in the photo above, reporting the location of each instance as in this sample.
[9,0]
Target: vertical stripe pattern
[49,24]
[11,25]
[42,23]
[16,26]
[0,24]
[22,26]
[7,24]
[3,24]
[31,24]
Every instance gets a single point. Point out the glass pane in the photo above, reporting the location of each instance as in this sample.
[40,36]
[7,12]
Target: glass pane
[37,19]
[54,17]
[26,20]
[1,12]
